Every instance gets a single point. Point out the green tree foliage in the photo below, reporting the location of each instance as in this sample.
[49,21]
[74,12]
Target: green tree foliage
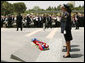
[49,8]
[80,9]
[58,7]
[36,9]
[19,7]
[71,6]
[6,8]
[55,8]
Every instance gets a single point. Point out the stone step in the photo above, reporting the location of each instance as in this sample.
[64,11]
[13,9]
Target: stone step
[28,53]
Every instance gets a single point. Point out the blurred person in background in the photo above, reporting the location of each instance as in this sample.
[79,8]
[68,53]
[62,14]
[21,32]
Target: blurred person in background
[2,20]
[9,21]
[77,20]
[19,21]
[28,20]
[44,22]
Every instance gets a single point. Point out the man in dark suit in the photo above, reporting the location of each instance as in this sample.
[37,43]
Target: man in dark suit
[12,19]
[82,20]
[77,20]
[2,21]
[44,21]
[19,21]
[9,21]
[39,21]
[34,20]
[28,20]
[49,21]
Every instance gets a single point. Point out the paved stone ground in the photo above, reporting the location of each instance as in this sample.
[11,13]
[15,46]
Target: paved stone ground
[12,41]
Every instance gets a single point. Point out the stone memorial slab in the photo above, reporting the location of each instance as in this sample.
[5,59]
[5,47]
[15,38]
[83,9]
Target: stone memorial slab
[28,53]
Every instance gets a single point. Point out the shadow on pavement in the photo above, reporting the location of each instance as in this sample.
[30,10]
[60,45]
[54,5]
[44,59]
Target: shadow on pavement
[76,55]
[72,50]
[73,46]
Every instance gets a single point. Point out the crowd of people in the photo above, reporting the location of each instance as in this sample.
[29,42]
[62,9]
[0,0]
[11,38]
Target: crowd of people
[40,20]
[78,20]
[37,20]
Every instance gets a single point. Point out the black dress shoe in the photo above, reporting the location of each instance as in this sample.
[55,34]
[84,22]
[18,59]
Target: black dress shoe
[67,56]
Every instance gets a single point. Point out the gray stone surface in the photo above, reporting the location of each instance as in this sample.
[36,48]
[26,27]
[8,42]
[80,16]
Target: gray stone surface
[28,53]
[13,41]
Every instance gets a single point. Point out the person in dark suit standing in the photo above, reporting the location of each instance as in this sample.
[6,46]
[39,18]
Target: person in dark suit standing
[81,19]
[49,21]
[34,20]
[19,21]
[39,21]
[9,21]
[67,28]
[2,20]
[12,19]
[77,20]
[28,20]
[44,21]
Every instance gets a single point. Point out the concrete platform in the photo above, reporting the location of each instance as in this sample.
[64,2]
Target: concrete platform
[13,41]
[25,54]
[35,55]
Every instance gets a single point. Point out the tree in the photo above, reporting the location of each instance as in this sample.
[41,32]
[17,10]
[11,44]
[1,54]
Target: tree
[55,8]
[49,8]
[58,7]
[71,6]
[79,8]
[6,8]
[19,7]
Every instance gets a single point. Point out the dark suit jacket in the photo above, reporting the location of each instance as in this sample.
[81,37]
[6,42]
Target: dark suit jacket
[49,19]
[28,19]
[44,19]
[19,21]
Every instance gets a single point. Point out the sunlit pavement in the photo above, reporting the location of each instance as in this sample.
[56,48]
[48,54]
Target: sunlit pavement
[12,41]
